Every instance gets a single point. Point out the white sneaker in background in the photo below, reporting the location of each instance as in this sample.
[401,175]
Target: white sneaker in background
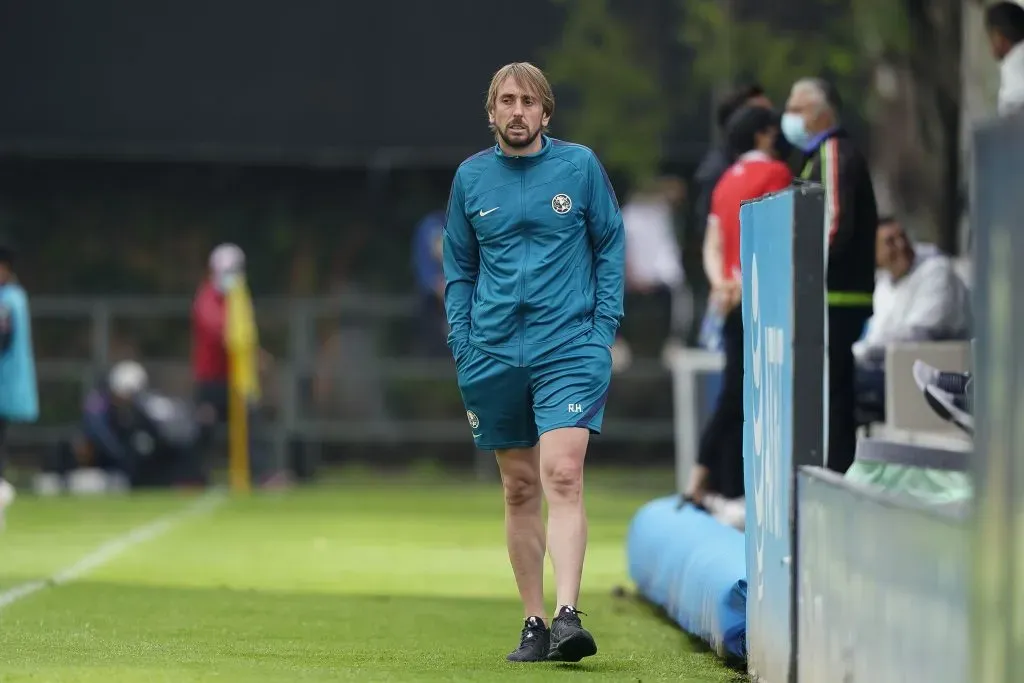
[730,512]
[7,496]
[924,374]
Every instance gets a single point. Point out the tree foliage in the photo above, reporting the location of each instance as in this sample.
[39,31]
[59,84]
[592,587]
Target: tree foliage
[845,46]
[618,107]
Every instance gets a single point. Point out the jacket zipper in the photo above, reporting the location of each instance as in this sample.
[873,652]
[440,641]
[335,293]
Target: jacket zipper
[522,269]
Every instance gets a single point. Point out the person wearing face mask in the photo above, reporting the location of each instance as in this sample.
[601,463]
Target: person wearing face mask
[1004,22]
[212,328]
[811,123]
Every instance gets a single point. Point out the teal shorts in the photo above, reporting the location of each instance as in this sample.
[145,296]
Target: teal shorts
[510,407]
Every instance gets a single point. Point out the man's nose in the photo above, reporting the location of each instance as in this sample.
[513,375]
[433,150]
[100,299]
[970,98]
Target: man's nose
[517,108]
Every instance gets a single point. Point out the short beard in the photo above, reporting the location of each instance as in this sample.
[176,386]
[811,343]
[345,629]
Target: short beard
[518,145]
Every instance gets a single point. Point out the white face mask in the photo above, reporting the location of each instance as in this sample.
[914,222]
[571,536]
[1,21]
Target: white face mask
[225,281]
[794,129]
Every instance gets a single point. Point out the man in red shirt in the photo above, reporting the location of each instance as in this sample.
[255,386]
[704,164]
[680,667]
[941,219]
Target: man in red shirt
[210,356]
[751,134]
[209,311]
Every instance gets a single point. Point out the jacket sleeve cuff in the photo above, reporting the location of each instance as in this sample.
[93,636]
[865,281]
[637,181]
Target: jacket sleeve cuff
[457,342]
[604,331]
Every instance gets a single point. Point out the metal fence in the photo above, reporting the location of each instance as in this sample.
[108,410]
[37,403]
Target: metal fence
[342,375]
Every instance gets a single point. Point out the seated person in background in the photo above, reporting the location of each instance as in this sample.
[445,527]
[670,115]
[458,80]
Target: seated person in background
[918,297]
[128,431]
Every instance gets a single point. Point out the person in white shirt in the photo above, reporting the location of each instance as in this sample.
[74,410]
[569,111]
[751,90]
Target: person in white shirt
[654,271]
[918,297]
[1004,22]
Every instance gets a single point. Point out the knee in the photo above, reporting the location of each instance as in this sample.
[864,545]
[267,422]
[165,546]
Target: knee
[521,490]
[564,480]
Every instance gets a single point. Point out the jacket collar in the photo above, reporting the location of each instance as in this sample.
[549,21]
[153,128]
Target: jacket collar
[519,161]
[819,139]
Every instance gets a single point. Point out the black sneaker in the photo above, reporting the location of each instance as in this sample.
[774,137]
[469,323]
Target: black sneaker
[533,643]
[958,409]
[570,642]
[952,382]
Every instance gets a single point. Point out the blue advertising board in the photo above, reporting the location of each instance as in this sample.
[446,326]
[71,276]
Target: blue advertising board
[783,322]
[767,263]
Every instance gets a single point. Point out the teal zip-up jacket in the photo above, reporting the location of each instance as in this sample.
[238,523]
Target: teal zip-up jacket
[533,252]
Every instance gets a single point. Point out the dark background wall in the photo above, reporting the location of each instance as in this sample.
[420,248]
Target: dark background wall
[309,80]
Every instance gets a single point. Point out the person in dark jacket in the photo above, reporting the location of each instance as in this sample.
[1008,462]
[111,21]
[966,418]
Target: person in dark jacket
[811,123]
[432,327]
[710,170]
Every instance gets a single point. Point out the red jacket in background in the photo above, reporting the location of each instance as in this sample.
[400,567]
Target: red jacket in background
[754,175]
[209,354]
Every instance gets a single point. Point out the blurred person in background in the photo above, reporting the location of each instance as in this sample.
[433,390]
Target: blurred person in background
[654,271]
[751,135]
[133,435]
[1004,22]
[812,124]
[712,166]
[918,297]
[211,334]
[432,328]
[534,264]
[19,395]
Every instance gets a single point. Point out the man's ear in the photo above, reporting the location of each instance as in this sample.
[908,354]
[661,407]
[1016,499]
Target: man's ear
[545,120]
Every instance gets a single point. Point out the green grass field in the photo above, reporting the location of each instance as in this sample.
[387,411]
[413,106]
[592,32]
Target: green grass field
[364,579]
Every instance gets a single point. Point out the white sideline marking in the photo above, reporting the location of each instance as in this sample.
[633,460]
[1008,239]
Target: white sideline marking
[114,547]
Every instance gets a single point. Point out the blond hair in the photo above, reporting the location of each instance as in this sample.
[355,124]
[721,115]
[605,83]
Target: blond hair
[528,77]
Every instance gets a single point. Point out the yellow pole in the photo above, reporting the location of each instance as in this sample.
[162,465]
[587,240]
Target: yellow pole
[240,339]
[238,442]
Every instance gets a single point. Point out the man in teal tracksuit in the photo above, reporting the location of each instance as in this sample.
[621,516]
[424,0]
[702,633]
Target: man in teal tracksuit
[534,264]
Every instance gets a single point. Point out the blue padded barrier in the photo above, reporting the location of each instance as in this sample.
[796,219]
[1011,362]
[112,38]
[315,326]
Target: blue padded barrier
[695,569]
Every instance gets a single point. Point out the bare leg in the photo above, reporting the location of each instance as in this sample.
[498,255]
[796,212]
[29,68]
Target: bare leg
[562,452]
[524,524]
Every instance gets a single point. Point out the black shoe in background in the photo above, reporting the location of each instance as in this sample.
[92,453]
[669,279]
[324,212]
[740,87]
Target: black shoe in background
[957,409]
[533,643]
[570,642]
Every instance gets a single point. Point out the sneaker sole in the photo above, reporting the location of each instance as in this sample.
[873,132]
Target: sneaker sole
[937,406]
[574,648]
[961,419]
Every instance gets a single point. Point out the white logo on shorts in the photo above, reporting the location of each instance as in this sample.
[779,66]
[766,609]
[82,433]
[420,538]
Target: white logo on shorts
[474,421]
[561,203]
[575,408]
